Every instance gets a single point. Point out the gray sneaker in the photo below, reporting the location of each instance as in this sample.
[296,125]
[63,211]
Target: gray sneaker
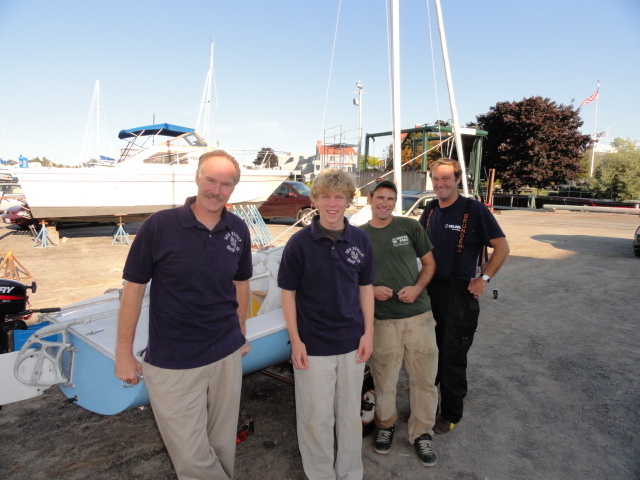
[384,439]
[424,449]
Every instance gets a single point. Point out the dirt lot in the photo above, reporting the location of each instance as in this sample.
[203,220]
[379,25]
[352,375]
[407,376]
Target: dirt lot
[554,384]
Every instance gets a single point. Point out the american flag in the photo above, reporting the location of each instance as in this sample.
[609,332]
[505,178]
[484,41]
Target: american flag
[602,134]
[594,96]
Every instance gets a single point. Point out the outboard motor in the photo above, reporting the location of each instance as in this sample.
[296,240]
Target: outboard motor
[13,310]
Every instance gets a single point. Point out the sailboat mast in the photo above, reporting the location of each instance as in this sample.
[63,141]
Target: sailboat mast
[204,113]
[595,120]
[98,146]
[87,152]
[452,101]
[395,100]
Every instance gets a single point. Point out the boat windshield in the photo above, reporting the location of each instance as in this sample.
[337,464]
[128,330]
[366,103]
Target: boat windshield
[188,140]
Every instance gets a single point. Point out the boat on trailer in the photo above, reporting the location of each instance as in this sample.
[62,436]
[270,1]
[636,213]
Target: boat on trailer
[155,171]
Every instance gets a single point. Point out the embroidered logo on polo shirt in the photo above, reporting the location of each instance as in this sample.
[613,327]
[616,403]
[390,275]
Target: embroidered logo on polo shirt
[400,241]
[354,255]
[455,228]
[234,242]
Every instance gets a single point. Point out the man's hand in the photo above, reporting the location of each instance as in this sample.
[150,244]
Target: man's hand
[365,349]
[128,369]
[477,286]
[382,293]
[299,355]
[409,294]
[246,348]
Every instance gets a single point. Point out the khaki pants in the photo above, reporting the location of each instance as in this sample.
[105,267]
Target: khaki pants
[413,340]
[328,393]
[197,414]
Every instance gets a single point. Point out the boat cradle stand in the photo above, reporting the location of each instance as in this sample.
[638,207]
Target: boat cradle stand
[43,236]
[120,235]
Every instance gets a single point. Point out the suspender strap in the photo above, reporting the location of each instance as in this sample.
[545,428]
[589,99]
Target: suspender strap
[463,231]
[457,257]
[431,206]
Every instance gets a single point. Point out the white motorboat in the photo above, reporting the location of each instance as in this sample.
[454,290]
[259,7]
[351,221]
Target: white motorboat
[149,176]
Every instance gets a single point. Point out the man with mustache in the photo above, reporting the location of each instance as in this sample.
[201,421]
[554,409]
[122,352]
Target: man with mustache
[199,258]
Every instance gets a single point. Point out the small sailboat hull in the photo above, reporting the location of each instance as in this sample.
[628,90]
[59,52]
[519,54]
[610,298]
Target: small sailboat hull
[81,357]
[95,388]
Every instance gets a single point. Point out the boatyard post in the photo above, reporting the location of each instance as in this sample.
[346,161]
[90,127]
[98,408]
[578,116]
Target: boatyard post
[358,103]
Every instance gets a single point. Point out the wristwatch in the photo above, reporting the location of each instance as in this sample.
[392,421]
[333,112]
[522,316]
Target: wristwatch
[485,277]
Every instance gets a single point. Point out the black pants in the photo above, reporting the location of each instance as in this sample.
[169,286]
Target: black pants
[456,313]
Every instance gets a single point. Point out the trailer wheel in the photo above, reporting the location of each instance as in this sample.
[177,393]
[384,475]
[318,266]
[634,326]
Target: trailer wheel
[368,405]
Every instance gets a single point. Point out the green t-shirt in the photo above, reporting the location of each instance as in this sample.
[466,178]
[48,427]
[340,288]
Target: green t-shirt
[396,249]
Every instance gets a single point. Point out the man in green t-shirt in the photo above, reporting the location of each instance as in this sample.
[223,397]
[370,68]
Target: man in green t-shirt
[404,326]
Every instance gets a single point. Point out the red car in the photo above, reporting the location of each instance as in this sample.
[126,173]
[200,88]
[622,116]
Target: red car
[289,200]
[18,215]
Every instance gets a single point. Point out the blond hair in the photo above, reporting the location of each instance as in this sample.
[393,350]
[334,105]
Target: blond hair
[333,180]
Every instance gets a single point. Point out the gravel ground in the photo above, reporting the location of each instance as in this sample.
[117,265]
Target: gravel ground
[554,386]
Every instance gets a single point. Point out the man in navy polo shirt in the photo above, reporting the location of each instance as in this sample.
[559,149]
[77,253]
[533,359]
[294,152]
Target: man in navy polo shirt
[458,228]
[199,258]
[326,276]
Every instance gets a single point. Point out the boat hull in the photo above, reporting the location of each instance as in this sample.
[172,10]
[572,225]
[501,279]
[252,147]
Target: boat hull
[93,194]
[95,388]
[80,358]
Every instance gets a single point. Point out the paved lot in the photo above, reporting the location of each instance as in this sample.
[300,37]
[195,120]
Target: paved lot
[554,384]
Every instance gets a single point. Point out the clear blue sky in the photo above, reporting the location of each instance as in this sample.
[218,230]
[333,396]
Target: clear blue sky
[272,61]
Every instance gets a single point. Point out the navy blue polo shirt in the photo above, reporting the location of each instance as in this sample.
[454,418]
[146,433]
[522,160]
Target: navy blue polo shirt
[193,319]
[444,232]
[326,277]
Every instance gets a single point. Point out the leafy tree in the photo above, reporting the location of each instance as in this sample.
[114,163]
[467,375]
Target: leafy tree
[534,142]
[373,163]
[266,158]
[618,175]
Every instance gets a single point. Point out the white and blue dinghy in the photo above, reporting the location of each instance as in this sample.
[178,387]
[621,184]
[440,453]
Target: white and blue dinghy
[76,351]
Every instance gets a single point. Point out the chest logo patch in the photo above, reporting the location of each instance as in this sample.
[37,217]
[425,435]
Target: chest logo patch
[233,242]
[354,255]
[400,241]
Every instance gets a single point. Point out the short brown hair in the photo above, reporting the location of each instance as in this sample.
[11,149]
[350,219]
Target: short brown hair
[219,153]
[333,180]
[457,170]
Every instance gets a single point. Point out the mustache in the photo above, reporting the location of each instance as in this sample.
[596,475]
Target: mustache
[211,196]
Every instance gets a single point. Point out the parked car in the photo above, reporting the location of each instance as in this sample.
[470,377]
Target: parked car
[636,243]
[289,200]
[18,215]
[11,194]
[413,204]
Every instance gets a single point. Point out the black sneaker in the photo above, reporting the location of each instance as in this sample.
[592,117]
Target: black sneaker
[424,449]
[384,439]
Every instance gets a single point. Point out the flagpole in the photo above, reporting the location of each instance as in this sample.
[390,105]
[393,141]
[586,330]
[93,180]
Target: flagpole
[595,119]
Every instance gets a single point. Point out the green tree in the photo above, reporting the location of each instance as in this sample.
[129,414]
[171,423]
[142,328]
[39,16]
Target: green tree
[266,158]
[618,175]
[373,163]
[534,142]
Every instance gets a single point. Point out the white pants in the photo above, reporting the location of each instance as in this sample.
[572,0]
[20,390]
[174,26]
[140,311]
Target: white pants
[328,394]
[197,414]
